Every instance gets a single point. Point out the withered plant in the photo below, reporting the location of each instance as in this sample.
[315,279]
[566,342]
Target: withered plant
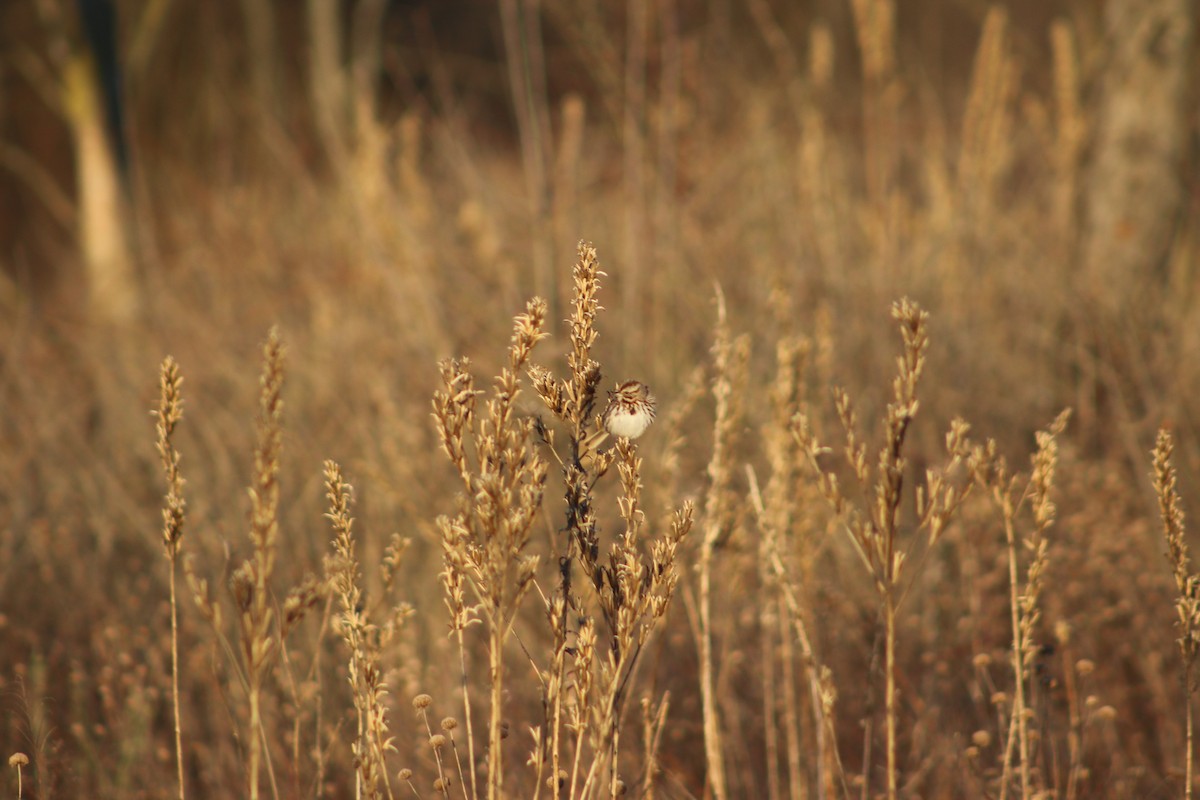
[1187,583]
[484,542]
[260,629]
[1012,494]
[174,513]
[364,640]
[873,523]
[597,626]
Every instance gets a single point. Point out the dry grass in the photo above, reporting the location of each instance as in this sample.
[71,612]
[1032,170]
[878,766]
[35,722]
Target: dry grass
[1188,604]
[170,412]
[811,578]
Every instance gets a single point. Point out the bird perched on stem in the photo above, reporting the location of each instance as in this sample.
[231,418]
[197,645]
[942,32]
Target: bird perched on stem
[629,412]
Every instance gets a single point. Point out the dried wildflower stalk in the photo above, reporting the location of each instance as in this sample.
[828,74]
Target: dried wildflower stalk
[573,401]
[1187,606]
[260,634]
[874,530]
[483,544]
[363,639]
[1011,493]
[170,412]
[631,592]
[599,628]
[250,582]
[455,421]
[634,593]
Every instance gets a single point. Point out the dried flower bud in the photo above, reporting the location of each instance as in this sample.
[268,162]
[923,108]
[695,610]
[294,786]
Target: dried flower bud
[449,724]
[18,760]
[422,701]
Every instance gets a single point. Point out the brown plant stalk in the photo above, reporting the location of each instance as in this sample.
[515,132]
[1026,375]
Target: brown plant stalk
[250,582]
[1187,583]
[1011,494]
[170,412]
[873,528]
[483,544]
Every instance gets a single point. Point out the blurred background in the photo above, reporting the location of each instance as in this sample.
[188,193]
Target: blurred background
[389,181]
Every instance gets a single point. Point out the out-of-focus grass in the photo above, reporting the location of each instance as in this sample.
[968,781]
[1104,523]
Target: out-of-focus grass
[815,180]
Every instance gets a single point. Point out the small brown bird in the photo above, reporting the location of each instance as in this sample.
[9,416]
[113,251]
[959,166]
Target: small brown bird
[630,410]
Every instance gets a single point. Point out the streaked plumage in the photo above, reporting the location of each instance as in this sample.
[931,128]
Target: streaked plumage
[630,410]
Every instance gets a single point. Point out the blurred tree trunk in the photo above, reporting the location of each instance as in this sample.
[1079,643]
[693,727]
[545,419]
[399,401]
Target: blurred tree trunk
[78,74]
[342,84]
[327,76]
[82,79]
[1134,194]
[103,244]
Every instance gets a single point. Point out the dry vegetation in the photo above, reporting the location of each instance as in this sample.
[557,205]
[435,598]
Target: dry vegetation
[856,556]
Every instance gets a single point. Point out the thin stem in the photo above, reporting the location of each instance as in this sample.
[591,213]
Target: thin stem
[556,715]
[462,662]
[890,697]
[1187,761]
[712,732]
[1018,657]
[769,688]
[495,763]
[253,737]
[175,679]
[170,412]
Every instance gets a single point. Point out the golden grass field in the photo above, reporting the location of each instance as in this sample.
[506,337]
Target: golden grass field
[309,515]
